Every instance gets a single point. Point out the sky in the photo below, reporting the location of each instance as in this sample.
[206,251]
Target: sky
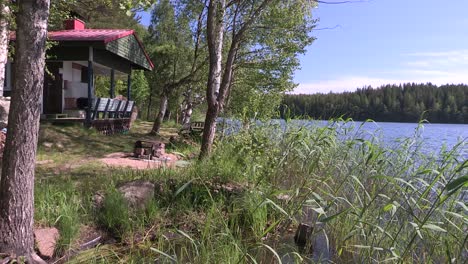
[377,42]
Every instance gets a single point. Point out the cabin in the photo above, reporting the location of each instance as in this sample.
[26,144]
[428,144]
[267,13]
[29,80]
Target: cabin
[76,57]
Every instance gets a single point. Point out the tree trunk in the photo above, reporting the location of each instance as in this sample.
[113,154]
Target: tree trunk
[17,181]
[168,114]
[149,105]
[209,131]
[215,35]
[161,113]
[187,114]
[4,32]
[187,108]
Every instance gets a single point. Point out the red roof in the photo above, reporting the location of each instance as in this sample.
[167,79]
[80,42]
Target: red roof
[105,35]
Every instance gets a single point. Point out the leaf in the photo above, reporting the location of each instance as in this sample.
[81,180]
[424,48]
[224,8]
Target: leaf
[434,228]
[319,210]
[463,205]
[456,184]
[268,201]
[368,247]
[328,219]
[417,229]
[388,207]
[274,253]
[181,189]
[162,253]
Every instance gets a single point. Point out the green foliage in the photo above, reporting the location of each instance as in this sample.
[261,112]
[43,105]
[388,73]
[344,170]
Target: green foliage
[171,47]
[391,103]
[268,58]
[114,215]
[59,206]
[374,203]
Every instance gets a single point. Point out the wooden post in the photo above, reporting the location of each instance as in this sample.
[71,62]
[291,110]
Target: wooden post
[129,84]
[112,84]
[90,87]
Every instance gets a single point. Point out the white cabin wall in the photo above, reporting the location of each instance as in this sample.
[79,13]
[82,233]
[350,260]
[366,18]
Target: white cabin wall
[73,87]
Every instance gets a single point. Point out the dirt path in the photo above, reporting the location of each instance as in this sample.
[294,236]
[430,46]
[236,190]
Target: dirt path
[121,159]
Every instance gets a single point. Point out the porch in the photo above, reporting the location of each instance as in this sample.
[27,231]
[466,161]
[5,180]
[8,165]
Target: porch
[73,64]
[108,116]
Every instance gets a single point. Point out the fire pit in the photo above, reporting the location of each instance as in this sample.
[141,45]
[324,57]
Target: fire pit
[148,149]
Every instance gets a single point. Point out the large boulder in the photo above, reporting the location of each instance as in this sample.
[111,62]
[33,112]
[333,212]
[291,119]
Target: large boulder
[46,240]
[4,110]
[137,193]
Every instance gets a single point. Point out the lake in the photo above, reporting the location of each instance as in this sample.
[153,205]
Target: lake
[433,136]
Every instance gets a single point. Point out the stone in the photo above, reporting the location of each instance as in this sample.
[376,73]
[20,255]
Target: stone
[4,110]
[46,240]
[159,149]
[137,193]
[98,200]
[47,144]
[303,234]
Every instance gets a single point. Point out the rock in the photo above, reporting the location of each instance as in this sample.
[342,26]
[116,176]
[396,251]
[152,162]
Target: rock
[137,193]
[303,234]
[182,163]
[98,200]
[46,240]
[47,144]
[59,145]
[4,110]
[320,245]
[283,197]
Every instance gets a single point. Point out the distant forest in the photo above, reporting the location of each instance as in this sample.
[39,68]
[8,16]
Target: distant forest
[389,103]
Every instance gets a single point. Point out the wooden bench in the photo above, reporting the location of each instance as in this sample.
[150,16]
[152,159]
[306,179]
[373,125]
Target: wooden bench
[111,115]
[195,128]
[102,108]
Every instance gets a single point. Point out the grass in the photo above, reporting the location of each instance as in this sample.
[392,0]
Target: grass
[242,205]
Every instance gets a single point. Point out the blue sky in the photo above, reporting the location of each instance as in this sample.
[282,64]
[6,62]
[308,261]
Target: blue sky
[377,42]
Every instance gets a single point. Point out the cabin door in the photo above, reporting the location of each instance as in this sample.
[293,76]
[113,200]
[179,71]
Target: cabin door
[53,90]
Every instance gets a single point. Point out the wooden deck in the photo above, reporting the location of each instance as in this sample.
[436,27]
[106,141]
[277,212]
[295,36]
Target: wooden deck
[108,116]
[105,126]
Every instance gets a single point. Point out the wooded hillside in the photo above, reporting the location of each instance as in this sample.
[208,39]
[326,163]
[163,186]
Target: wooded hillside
[390,103]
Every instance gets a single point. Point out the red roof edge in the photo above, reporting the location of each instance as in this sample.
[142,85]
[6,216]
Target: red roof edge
[119,36]
[143,49]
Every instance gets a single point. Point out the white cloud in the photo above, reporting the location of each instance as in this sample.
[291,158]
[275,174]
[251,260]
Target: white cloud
[439,68]
[351,83]
[346,84]
[440,59]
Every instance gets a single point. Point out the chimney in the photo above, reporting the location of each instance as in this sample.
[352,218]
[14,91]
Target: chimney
[74,24]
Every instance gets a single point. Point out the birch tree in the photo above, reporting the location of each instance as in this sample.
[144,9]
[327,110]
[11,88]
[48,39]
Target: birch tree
[265,31]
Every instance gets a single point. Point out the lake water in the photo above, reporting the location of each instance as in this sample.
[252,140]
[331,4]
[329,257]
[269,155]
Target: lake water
[433,136]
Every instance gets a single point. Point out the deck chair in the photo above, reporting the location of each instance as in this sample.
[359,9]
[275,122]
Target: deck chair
[121,110]
[113,108]
[129,109]
[101,107]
